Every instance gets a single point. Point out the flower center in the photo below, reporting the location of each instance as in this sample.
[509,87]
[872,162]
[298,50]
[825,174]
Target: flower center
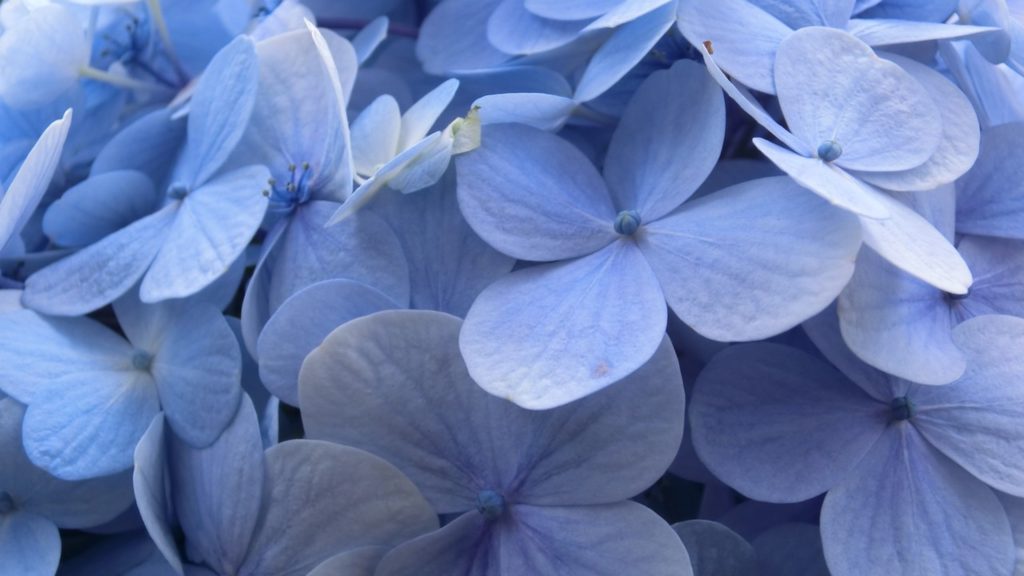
[902,408]
[950,297]
[287,195]
[177,191]
[141,360]
[490,504]
[627,222]
[830,151]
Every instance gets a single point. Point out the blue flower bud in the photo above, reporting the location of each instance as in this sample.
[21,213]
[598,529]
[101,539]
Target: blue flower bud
[830,151]
[490,504]
[627,222]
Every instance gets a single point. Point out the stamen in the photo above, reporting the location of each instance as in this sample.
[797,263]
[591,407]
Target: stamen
[627,222]
[902,409]
[490,504]
[830,151]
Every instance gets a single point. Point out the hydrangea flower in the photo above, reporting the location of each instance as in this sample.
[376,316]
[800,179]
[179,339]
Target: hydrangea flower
[206,221]
[909,470]
[857,121]
[91,393]
[715,550]
[533,491]
[745,263]
[274,513]
[34,504]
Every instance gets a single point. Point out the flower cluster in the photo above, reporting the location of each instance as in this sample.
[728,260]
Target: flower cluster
[511,287]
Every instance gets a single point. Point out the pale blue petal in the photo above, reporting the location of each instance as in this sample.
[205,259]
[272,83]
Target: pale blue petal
[449,265]
[220,109]
[322,498]
[375,134]
[90,428]
[29,544]
[958,148]
[144,145]
[752,260]
[608,540]
[605,311]
[976,420]
[421,116]
[217,491]
[198,370]
[662,151]
[37,351]
[715,550]
[533,195]
[41,55]
[802,13]
[301,324]
[101,273]
[998,268]
[778,425]
[453,37]
[22,198]
[543,111]
[886,32]
[367,40]
[744,37]
[906,509]
[832,87]
[570,9]
[455,440]
[899,324]
[289,15]
[623,50]
[512,29]
[74,505]
[152,491]
[828,181]
[362,248]
[934,11]
[211,229]
[912,244]
[99,206]
[625,12]
[990,198]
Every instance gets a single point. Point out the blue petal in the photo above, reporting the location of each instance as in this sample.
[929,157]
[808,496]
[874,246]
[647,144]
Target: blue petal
[99,206]
[752,260]
[906,509]
[779,425]
[308,517]
[29,544]
[421,116]
[152,491]
[975,420]
[211,229]
[744,37]
[534,196]
[570,9]
[644,168]
[441,51]
[41,54]
[715,550]
[990,198]
[793,548]
[623,50]
[218,490]
[375,134]
[358,562]
[514,30]
[20,200]
[802,13]
[99,274]
[543,111]
[220,110]
[144,145]
[302,322]
[606,311]
[366,41]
